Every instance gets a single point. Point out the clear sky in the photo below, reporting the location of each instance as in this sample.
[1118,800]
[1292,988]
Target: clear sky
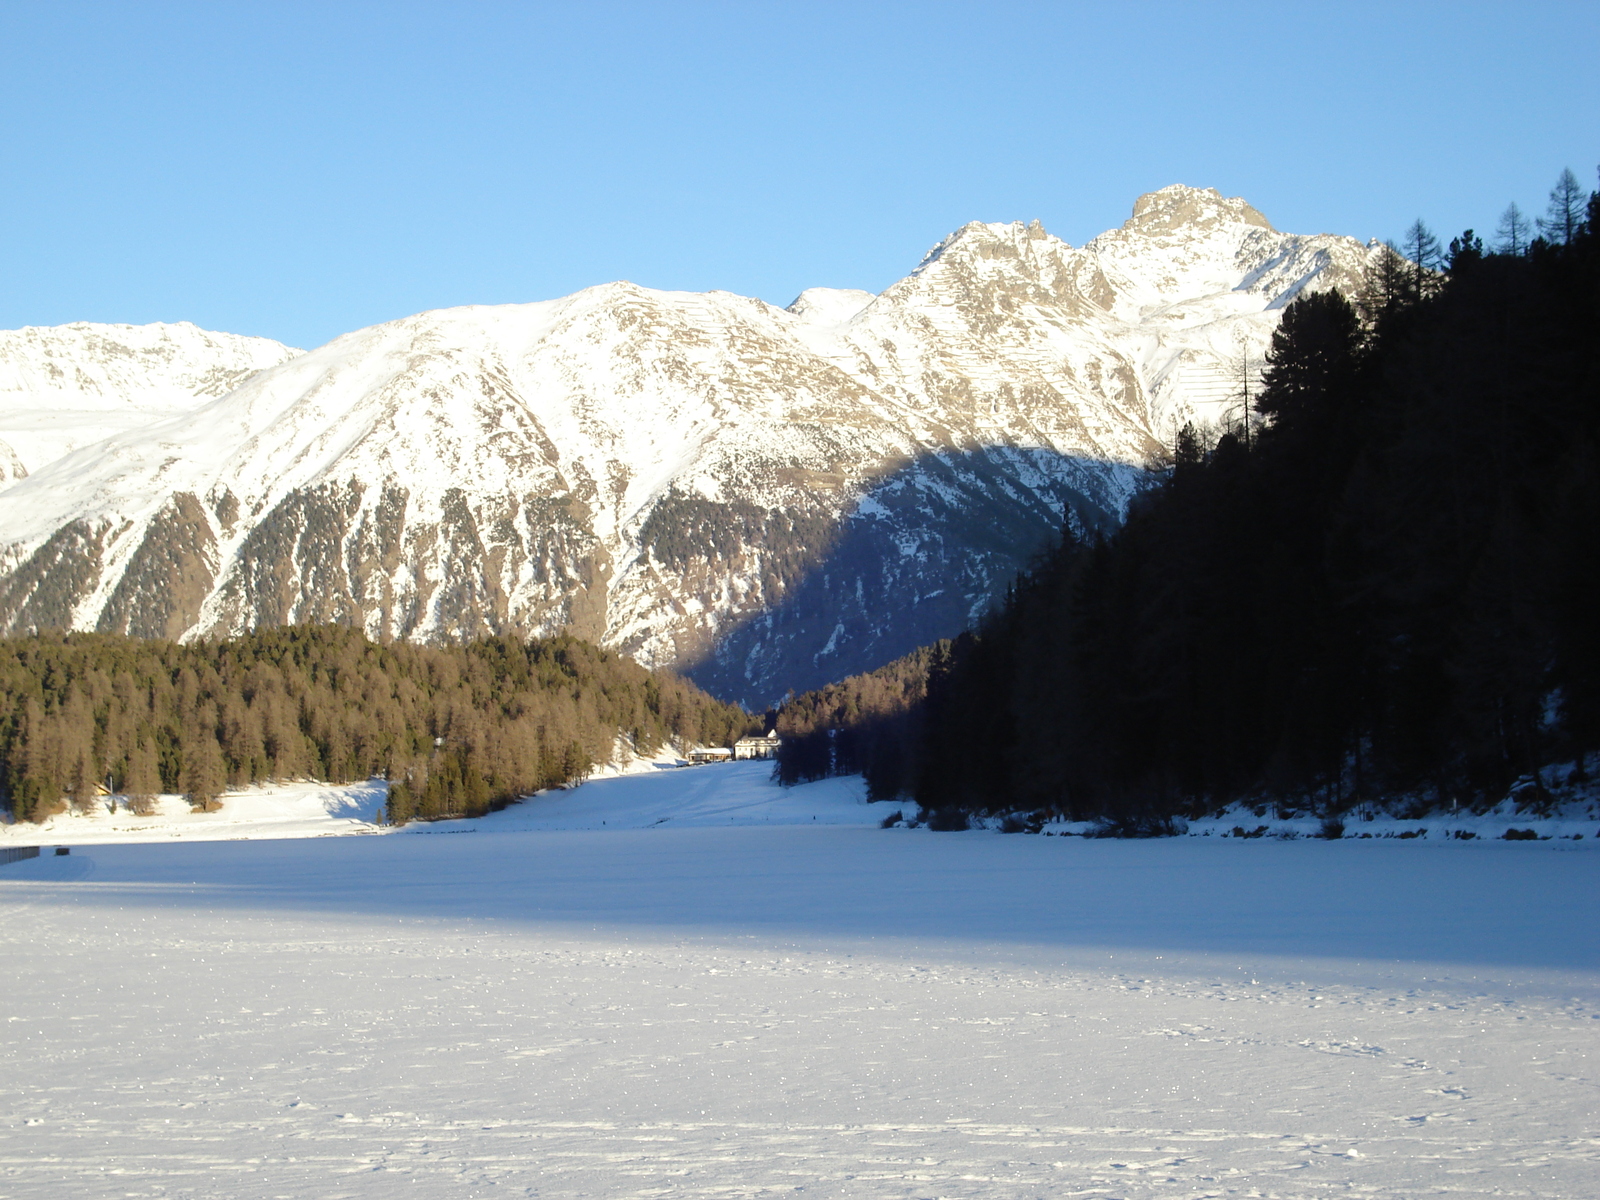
[300,170]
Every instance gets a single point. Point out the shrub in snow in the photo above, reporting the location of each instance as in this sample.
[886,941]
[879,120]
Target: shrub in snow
[1520,835]
[948,820]
[1332,828]
[892,820]
[141,804]
[1138,826]
[1018,823]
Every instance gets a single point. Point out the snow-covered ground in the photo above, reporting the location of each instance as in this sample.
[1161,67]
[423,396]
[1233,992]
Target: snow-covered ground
[743,1000]
[277,810]
[645,793]
[1571,821]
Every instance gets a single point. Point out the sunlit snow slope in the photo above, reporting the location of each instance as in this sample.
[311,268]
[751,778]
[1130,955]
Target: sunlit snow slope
[74,385]
[767,497]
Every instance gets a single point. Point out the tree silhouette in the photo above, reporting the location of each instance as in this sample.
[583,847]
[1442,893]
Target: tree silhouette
[1515,231]
[1243,380]
[1565,212]
[1464,252]
[1422,248]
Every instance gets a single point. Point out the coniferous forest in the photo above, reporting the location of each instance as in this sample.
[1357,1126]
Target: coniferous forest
[1383,582]
[458,731]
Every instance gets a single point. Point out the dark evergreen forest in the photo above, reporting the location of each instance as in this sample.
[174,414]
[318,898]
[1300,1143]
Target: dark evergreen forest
[1384,582]
[459,731]
[861,724]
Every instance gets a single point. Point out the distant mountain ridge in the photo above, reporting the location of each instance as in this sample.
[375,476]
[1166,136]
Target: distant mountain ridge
[69,386]
[763,497]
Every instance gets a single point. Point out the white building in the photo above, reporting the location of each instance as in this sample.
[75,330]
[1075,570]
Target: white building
[765,746]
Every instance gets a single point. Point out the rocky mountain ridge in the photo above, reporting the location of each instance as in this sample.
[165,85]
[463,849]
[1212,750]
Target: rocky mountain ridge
[766,498]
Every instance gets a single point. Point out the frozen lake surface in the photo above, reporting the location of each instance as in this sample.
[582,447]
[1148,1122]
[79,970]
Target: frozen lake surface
[691,984]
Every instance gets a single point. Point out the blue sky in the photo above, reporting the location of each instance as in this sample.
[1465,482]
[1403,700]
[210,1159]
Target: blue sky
[298,171]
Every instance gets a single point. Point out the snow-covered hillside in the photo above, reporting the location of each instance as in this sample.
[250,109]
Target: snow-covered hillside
[71,386]
[768,497]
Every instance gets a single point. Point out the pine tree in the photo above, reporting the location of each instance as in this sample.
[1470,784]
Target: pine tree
[81,778]
[1186,450]
[511,717]
[1464,252]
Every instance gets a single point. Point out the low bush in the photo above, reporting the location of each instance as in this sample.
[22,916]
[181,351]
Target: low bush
[1018,823]
[1141,826]
[948,820]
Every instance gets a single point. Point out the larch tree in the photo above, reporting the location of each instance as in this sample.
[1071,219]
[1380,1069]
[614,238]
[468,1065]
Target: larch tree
[204,776]
[141,779]
[1422,248]
[1515,231]
[1565,211]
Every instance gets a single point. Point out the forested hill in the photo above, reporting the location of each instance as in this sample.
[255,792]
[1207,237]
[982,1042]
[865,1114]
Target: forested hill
[861,724]
[1386,583]
[457,730]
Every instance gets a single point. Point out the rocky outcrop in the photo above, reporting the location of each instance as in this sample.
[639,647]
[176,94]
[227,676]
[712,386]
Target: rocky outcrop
[160,591]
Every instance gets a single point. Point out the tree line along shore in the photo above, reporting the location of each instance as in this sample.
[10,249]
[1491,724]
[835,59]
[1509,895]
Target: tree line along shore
[457,730]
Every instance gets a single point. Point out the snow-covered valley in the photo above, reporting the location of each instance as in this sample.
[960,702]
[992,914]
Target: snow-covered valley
[690,982]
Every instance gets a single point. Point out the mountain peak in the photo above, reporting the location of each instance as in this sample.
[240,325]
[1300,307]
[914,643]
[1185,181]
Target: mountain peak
[990,240]
[770,498]
[1180,207]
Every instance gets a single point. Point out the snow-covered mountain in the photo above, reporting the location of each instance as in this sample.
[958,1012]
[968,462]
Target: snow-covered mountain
[765,497]
[74,385]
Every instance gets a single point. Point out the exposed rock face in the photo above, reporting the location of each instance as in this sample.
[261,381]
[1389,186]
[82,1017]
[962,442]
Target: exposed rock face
[767,498]
[168,577]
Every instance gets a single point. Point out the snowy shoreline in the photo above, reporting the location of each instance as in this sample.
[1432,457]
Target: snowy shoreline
[651,794]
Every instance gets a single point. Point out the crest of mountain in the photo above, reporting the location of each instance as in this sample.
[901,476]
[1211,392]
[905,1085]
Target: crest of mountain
[74,385]
[766,498]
